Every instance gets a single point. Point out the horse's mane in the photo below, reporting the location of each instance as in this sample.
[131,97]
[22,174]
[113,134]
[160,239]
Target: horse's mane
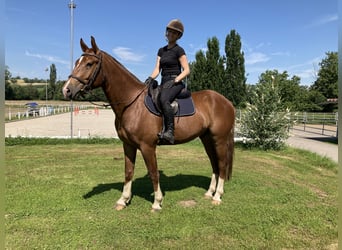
[123,67]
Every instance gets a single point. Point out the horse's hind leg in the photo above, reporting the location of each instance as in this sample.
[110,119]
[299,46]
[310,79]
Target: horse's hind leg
[221,148]
[212,187]
[216,149]
[130,156]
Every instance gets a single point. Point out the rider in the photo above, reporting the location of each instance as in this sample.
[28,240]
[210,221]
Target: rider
[174,67]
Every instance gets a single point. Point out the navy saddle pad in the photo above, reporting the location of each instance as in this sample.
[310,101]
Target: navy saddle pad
[185,106]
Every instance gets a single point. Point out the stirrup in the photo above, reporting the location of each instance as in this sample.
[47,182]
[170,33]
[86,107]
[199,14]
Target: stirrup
[166,136]
[166,140]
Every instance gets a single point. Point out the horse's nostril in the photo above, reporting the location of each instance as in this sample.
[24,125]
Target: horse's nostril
[67,92]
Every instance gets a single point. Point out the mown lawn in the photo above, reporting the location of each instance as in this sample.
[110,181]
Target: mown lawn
[62,196]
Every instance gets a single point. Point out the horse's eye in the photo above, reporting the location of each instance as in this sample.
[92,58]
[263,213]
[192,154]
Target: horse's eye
[88,65]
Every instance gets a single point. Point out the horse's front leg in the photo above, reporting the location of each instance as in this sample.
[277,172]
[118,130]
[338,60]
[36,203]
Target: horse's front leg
[212,187]
[130,156]
[149,155]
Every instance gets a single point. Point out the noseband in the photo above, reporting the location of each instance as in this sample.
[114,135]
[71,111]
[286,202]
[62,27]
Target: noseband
[88,84]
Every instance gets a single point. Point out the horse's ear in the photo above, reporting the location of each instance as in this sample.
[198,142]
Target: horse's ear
[94,45]
[83,45]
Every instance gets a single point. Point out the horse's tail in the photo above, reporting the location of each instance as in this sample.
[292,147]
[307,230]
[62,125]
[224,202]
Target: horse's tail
[230,154]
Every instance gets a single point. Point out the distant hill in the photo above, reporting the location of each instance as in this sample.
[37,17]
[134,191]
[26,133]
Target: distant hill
[21,82]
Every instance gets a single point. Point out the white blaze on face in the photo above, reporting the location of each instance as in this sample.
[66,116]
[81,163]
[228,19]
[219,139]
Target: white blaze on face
[66,90]
[79,62]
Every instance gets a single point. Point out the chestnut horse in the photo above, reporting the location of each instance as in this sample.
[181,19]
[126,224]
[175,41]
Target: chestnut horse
[213,121]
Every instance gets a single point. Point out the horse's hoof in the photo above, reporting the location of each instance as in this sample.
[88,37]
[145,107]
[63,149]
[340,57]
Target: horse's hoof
[216,202]
[155,210]
[119,207]
[208,197]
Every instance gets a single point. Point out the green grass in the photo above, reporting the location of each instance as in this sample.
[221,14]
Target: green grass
[62,197]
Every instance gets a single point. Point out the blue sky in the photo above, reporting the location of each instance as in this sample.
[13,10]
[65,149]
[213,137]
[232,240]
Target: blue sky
[291,35]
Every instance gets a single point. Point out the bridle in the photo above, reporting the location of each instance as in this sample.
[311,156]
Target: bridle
[89,84]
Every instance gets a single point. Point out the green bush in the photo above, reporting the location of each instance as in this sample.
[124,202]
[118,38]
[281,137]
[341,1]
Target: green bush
[265,123]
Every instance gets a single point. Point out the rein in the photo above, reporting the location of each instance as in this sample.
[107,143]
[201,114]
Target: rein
[115,103]
[129,102]
[88,85]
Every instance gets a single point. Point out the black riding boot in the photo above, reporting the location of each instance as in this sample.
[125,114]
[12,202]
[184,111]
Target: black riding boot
[168,132]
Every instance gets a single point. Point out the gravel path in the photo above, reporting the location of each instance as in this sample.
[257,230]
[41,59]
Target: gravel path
[314,142]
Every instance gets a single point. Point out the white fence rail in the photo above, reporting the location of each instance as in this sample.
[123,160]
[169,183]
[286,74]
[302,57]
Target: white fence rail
[22,112]
[317,123]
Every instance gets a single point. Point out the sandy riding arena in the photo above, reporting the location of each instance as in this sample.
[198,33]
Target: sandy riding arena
[86,123]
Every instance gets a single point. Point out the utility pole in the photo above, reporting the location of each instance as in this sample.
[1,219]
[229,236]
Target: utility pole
[71,6]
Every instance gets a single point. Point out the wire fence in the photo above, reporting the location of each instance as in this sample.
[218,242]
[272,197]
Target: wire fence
[317,123]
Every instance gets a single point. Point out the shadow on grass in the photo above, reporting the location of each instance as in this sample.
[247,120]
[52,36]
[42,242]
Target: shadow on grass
[142,187]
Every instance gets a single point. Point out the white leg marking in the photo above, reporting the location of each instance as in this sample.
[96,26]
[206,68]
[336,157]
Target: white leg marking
[212,186]
[158,199]
[219,190]
[126,194]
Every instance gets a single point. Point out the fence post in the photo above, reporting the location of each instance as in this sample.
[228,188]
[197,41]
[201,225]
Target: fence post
[336,120]
[305,119]
[337,132]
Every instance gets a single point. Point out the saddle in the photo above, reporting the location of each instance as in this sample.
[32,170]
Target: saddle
[182,106]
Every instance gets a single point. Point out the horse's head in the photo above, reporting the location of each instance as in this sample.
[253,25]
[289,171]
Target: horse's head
[85,75]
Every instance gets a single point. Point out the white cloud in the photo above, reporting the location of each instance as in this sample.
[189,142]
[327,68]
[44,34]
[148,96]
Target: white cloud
[256,57]
[262,44]
[328,19]
[126,54]
[192,53]
[49,58]
[281,53]
[306,74]
[310,63]
[324,20]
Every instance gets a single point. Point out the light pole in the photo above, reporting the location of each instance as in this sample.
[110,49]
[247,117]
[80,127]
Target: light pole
[71,6]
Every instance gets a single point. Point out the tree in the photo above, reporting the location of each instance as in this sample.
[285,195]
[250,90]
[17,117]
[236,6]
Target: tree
[208,69]
[326,82]
[290,91]
[235,82]
[215,65]
[52,82]
[9,93]
[265,122]
[8,74]
[198,77]
[314,100]
[58,92]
